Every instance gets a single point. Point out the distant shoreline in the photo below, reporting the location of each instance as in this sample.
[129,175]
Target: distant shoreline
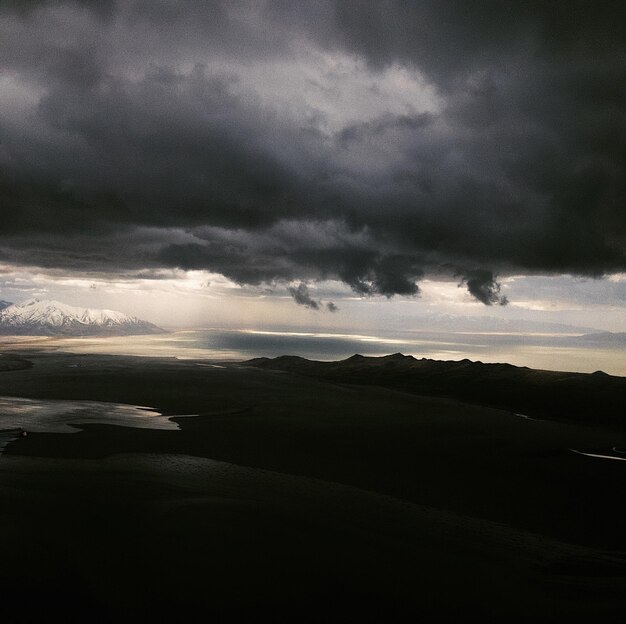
[587,398]
[543,352]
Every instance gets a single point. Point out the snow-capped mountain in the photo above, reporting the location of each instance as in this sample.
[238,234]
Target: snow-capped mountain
[4,304]
[51,318]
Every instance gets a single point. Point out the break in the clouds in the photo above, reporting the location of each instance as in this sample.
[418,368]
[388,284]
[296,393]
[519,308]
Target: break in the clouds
[369,142]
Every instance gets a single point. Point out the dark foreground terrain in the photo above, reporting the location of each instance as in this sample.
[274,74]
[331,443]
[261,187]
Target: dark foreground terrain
[597,398]
[305,498]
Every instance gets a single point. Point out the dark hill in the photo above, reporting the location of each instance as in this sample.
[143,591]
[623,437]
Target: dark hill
[588,398]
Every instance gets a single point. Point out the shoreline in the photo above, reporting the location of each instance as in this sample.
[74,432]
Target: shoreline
[569,353]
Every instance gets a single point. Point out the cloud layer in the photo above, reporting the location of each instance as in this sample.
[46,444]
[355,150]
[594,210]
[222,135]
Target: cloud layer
[373,143]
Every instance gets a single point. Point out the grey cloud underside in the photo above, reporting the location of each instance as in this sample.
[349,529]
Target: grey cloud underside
[302,296]
[483,286]
[148,145]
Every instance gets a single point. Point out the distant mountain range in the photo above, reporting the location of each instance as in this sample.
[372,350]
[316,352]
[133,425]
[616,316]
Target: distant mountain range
[608,338]
[37,317]
[433,322]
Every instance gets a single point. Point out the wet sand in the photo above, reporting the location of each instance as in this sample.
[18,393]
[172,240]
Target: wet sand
[301,499]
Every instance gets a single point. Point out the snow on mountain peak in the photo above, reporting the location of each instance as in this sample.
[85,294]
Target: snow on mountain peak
[49,317]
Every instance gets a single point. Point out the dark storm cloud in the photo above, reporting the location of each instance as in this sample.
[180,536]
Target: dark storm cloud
[143,135]
[360,132]
[482,285]
[302,296]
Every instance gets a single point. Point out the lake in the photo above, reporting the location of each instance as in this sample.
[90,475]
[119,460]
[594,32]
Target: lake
[569,352]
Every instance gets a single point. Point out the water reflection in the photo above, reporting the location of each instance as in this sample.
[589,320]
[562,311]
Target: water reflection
[52,416]
[600,454]
[543,351]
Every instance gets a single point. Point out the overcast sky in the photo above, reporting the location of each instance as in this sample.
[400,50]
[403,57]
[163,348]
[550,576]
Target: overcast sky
[324,162]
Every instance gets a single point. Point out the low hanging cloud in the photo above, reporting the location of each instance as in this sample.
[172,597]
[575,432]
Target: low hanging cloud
[280,142]
[482,285]
[302,296]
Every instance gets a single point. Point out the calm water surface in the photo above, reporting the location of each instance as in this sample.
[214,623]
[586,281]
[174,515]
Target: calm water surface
[52,416]
[544,351]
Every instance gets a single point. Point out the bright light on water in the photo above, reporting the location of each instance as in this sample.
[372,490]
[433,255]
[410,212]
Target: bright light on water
[52,416]
[58,416]
[543,351]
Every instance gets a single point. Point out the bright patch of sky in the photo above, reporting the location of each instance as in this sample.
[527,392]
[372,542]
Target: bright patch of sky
[193,299]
